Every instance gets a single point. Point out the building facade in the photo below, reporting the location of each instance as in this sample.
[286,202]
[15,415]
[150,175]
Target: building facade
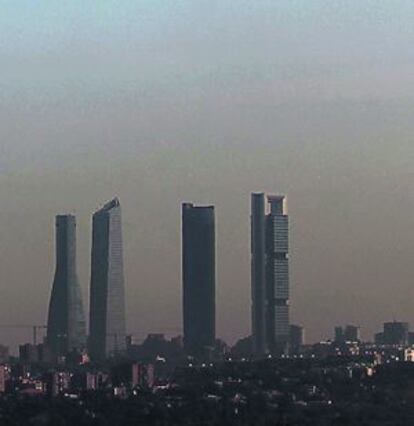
[66,330]
[297,338]
[349,333]
[258,274]
[269,274]
[394,333]
[107,333]
[199,278]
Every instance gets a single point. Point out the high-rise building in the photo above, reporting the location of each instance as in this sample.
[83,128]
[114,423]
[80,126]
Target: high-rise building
[339,334]
[394,333]
[199,278]
[352,333]
[270,274]
[4,354]
[258,273]
[349,333]
[3,378]
[296,338]
[107,335]
[66,321]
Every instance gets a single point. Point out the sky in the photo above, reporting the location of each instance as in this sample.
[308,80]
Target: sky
[160,102]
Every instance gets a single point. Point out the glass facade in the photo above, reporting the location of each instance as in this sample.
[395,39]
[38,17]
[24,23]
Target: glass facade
[107,336]
[198,269]
[66,321]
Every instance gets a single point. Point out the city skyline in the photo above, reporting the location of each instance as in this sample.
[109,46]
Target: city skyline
[66,235]
[160,102]
[207,212]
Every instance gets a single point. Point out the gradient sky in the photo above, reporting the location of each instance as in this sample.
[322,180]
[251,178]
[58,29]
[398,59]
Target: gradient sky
[160,102]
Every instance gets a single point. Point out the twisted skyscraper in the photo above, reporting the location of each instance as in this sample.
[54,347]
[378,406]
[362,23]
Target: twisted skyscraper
[66,320]
[107,294]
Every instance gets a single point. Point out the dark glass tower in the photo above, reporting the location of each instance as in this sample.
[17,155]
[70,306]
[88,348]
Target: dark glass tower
[258,274]
[199,278]
[270,275]
[107,294]
[66,321]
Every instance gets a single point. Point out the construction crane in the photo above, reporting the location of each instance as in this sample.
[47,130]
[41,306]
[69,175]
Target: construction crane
[34,328]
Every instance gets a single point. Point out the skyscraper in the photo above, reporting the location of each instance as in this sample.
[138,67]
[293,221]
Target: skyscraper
[66,321]
[199,278]
[270,275]
[258,274]
[107,295]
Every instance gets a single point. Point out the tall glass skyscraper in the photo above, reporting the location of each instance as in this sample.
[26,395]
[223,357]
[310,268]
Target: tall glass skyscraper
[199,278]
[107,295]
[270,275]
[258,274]
[66,321]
